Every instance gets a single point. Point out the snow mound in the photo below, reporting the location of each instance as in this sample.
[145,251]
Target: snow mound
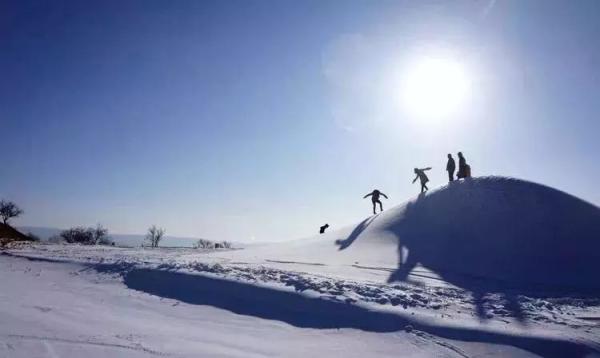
[501,228]
[492,228]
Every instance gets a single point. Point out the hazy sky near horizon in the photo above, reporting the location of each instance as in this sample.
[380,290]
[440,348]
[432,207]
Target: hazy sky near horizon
[262,120]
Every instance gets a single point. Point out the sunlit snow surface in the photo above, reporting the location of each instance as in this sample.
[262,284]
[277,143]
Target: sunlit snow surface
[489,267]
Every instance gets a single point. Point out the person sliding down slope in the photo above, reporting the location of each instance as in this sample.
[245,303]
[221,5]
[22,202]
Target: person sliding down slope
[422,177]
[375,199]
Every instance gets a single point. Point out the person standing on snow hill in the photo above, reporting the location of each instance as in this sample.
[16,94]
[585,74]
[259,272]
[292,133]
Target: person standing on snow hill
[464,170]
[450,168]
[422,177]
[375,199]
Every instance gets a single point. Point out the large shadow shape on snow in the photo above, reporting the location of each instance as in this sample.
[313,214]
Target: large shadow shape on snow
[313,312]
[344,244]
[310,312]
[504,236]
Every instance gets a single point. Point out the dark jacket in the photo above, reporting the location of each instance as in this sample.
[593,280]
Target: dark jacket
[375,195]
[451,166]
[462,168]
[421,175]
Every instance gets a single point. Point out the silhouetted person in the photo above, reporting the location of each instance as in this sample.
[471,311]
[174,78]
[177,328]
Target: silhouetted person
[450,167]
[375,199]
[323,228]
[422,177]
[464,170]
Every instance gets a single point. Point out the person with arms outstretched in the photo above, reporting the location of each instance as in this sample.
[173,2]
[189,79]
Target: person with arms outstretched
[422,177]
[375,199]
[450,168]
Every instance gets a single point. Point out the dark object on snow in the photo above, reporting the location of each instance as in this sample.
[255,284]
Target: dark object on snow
[375,199]
[450,167]
[9,234]
[422,177]
[323,228]
[464,170]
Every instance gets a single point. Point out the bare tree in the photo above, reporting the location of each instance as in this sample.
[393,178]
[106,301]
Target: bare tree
[211,245]
[204,244]
[86,235]
[100,235]
[9,210]
[78,235]
[154,235]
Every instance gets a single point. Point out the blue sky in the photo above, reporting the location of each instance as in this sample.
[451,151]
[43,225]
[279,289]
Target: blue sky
[262,120]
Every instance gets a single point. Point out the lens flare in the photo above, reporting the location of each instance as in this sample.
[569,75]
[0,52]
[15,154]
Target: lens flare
[435,88]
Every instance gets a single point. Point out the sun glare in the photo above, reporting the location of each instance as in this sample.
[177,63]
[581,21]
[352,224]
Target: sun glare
[434,88]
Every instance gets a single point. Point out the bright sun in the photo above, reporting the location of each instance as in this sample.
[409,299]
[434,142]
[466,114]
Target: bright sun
[435,88]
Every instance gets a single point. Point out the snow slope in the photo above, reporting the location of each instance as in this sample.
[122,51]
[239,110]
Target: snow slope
[484,267]
[53,310]
[495,228]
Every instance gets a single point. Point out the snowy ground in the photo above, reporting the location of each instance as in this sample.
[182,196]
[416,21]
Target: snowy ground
[371,289]
[71,301]
[68,310]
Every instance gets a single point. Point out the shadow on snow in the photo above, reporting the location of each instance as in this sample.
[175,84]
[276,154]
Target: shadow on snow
[497,235]
[344,244]
[312,312]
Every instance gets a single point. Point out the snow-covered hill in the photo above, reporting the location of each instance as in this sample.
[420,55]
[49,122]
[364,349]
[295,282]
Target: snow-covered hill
[494,228]
[486,267]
